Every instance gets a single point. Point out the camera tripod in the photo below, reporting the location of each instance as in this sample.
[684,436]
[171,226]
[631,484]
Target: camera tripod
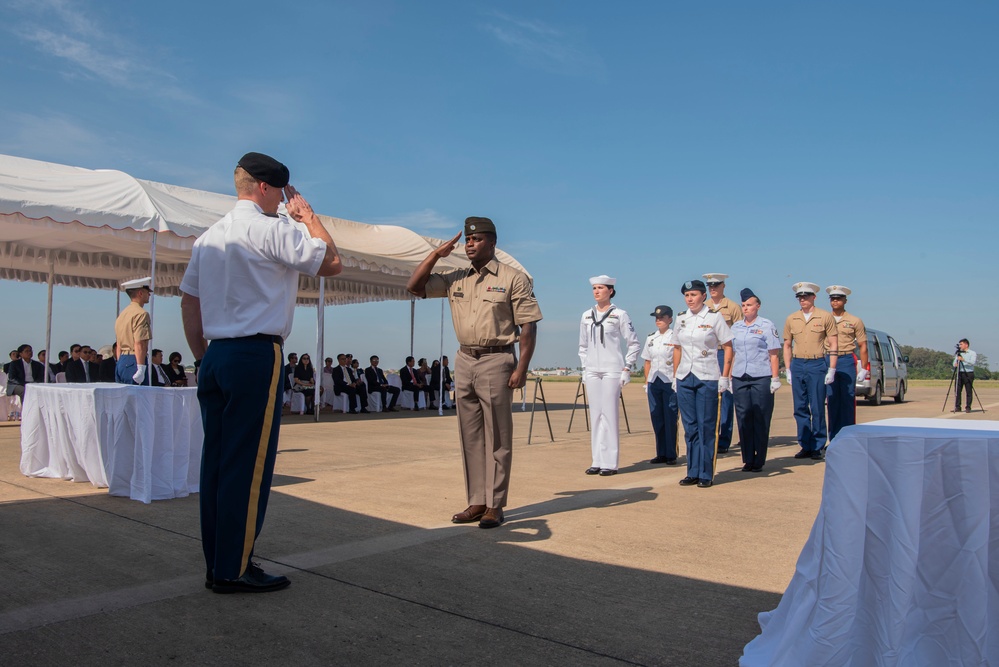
[953,383]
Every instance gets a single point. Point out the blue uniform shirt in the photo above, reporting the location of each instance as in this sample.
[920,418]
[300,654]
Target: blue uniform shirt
[751,346]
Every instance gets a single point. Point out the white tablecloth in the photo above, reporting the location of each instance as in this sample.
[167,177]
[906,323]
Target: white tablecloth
[140,442]
[902,564]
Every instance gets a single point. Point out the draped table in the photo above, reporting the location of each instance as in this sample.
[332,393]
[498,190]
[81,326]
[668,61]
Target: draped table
[140,442]
[902,563]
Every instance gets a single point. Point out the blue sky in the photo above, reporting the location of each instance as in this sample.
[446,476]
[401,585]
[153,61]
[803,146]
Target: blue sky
[850,143]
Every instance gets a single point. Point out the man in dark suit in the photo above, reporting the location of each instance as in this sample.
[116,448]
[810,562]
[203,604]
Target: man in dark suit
[23,371]
[411,382]
[378,382]
[435,378]
[344,382]
[79,369]
[105,369]
[13,357]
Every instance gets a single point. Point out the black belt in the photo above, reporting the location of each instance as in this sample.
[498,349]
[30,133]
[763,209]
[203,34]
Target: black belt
[270,338]
[481,351]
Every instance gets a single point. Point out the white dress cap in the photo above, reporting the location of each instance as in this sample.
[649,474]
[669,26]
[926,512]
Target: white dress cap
[137,283]
[838,290]
[805,288]
[712,278]
[603,280]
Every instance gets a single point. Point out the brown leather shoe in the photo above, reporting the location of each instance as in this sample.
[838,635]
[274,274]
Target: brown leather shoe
[470,515]
[492,518]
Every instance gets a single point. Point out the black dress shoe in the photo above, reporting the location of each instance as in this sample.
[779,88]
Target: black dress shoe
[659,459]
[704,483]
[723,451]
[592,471]
[803,455]
[364,411]
[607,472]
[671,462]
[209,579]
[968,410]
[817,455]
[756,469]
[688,481]
[747,468]
[254,580]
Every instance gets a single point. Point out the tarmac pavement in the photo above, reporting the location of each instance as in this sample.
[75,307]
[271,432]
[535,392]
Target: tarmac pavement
[587,570]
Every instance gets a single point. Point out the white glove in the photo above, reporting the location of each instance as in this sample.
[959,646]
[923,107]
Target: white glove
[774,385]
[862,375]
[582,377]
[788,374]
[140,375]
[672,384]
[724,384]
[830,375]
[645,387]
[625,377]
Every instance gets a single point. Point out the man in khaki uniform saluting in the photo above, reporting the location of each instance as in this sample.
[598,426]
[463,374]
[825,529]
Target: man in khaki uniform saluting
[489,302]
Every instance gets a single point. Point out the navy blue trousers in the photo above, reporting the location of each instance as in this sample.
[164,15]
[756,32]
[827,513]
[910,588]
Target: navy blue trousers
[698,403]
[727,412]
[808,390]
[754,407]
[124,369]
[662,407]
[842,394]
[240,387]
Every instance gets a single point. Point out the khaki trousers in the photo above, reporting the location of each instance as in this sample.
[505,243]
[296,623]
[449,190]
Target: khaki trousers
[485,424]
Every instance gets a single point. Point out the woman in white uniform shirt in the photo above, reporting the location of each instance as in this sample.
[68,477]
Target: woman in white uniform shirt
[658,356]
[697,335]
[605,370]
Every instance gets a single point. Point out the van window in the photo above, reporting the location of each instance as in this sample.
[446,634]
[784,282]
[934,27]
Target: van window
[875,347]
[889,353]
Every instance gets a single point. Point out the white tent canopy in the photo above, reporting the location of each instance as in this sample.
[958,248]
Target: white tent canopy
[95,228]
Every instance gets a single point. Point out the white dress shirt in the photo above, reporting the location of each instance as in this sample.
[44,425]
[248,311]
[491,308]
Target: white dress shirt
[658,351]
[699,336]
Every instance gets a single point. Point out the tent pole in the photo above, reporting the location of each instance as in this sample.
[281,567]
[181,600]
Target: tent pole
[48,318]
[412,324]
[440,373]
[152,309]
[320,335]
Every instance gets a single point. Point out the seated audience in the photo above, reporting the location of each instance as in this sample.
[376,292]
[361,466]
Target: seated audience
[344,382]
[435,378]
[23,371]
[79,368]
[156,373]
[105,370]
[305,382]
[413,382]
[175,372]
[378,382]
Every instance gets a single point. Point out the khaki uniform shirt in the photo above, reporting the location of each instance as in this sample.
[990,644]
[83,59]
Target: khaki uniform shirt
[132,325]
[851,331]
[488,305]
[809,338]
[729,309]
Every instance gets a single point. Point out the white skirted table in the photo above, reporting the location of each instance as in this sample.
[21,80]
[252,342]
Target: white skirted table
[902,564]
[140,442]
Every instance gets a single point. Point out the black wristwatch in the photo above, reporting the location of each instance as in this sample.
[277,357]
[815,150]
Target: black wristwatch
[197,364]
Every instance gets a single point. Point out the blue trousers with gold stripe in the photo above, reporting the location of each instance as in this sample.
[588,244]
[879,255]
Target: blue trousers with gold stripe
[240,387]
[842,394]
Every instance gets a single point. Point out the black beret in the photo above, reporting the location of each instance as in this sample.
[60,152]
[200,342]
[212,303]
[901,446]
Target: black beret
[475,225]
[265,168]
[747,293]
[662,311]
[697,285]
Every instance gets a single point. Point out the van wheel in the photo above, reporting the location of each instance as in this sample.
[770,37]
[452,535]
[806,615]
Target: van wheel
[900,396]
[875,398]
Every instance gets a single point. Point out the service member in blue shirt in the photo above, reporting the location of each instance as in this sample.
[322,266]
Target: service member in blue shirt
[755,380]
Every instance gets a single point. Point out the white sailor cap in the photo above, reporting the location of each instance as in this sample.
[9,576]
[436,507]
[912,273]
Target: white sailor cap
[146,282]
[714,278]
[838,290]
[804,288]
[603,280]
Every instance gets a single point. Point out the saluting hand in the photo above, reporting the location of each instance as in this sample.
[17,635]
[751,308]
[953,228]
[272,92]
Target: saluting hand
[297,207]
[448,247]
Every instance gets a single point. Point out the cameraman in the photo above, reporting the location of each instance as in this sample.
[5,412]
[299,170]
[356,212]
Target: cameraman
[964,362]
